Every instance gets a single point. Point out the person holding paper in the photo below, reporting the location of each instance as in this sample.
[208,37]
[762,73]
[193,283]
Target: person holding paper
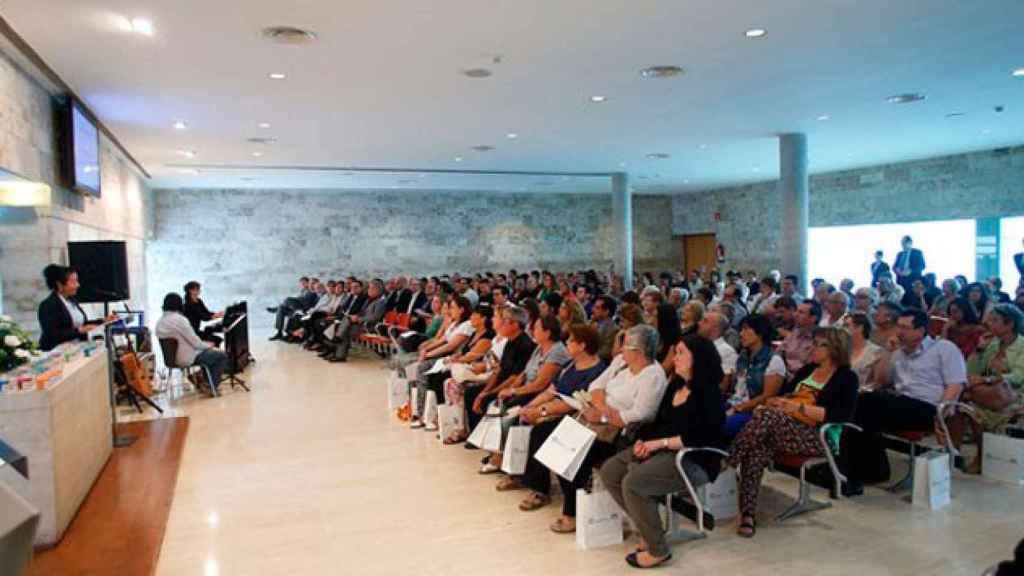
[627,393]
[61,318]
[691,415]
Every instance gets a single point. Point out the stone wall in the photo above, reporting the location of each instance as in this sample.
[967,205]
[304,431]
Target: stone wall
[253,244]
[978,185]
[30,238]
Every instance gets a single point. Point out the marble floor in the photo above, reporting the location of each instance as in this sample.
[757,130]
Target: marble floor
[310,474]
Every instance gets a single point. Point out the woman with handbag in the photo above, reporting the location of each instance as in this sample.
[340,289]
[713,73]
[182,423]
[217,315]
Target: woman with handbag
[825,391]
[625,396]
[690,415]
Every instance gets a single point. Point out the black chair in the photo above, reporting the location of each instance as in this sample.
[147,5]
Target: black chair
[169,348]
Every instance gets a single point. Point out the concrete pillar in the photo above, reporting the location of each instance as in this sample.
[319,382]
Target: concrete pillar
[622,220]
[794,188]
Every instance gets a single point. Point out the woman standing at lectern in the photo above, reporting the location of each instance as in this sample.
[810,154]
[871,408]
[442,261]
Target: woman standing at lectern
[61,319]
[197,313]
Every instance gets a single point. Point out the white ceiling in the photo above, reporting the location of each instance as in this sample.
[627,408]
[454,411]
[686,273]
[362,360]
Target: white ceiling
[382,87]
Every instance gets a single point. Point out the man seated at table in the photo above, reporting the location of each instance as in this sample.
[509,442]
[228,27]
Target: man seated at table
[925,372]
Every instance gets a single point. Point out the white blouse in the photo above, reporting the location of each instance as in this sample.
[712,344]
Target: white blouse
[635,396]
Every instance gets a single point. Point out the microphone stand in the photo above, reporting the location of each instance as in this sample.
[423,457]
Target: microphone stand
[125,440]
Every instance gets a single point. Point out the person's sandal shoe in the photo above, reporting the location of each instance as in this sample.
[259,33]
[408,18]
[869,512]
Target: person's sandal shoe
[747,529]
[559,527]
[416,424]
[488,468]
[535,501]
[508,484]
[632,561]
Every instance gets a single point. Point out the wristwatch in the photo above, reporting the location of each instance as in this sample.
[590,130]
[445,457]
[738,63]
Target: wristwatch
[604,418]
[543,410]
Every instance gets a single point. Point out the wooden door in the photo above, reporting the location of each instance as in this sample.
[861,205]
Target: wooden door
[699,250]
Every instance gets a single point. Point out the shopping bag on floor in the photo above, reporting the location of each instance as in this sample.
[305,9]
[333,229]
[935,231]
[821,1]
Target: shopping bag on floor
[488,430]
[564,450]
[449,420]
[598,519]
[429,406]
[1003,458]
[398,391]
[719,497]
[931,480]
[517,450]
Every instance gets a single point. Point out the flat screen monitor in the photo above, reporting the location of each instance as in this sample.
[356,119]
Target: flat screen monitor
[83,152]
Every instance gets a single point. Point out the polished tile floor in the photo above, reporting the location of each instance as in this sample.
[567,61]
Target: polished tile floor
[310,474]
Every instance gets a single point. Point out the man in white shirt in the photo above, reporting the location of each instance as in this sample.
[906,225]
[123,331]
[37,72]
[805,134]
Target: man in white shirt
[836,305]
[191,350]
[713,326]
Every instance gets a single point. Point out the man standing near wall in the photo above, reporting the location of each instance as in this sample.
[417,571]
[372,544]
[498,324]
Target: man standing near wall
[909,264]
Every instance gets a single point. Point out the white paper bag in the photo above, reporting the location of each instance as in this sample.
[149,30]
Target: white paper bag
[1003,458]
[598,519]
[487,434]
[429,405]
[719,497]
[517,450]
[449,420]
[564,450]
[398,391]
[931,480]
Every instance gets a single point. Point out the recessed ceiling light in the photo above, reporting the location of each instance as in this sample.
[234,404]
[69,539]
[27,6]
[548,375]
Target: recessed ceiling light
[180,125]
[661,72]
[257,154]
[512,135]
[277,76]
[142,26]
[483,148]
[906,98]
[477,73]
[264,124]
[703,146]
[622,164]
[259,140]
[686,181]
[187,153]
[1019,72]
[824,118]
[986,131]
[756,33]
[756,168]
[289,35]
[458,158]
[658,155]
[953,115]
[598,99]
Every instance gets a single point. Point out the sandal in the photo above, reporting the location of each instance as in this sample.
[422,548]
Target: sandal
[747,528]
[534,501]
[456,438]
[508,484]
[561,526]
[634,561]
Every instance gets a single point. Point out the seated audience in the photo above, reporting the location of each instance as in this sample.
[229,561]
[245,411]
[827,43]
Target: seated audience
[669,334]
[191,350]
[197,313]
[630,315]
[783,316]
[917,297]
[602,317]
[650,299]
[569,313]
[924,373]
[963,327]
[546,361]
[865,300]
[516,353]
[625,395]
[314,327]
[410,342]
[690,317]
[689,416]
[789,288]
[885,332]
[765,296]
[731,298]
[458,333]
[304,300]
[869,360]
[950,292]
[477,374]
[711,327]
[889,291]
[353,325]
[995,379]
[825,391]
[978,298]
[760,373]
[297,325]
[837,304]
[797,347]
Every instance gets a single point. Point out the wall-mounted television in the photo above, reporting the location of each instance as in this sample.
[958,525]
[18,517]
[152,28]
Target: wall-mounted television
[81,151]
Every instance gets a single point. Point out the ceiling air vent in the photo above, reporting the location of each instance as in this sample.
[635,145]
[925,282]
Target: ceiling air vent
[289,35]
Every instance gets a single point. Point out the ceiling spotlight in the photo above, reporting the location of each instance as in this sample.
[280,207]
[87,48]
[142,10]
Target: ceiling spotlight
[622,164]
[458,158]
[905,98]
[277,76]
[187,153]
[598,99]
[289,35]
[1019,73]
[661,72]
[686,181]
[703,146]
[258,140]
[257,154]
[264,124]
[180,125]
[483,148]
[755,33]
[142,26]
[477,73]
[512,135]
[953,115]
[756,169]
[986,131]
[824,118]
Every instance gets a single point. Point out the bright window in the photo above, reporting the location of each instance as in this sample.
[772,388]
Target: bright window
[837,252]
[1011,231]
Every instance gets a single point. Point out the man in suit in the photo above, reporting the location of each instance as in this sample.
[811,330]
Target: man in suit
[293,304]
[909,264]
[879,269]
[355,324]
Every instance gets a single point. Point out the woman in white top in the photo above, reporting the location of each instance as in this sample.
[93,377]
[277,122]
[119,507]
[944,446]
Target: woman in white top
[459,331]
[626,394]
[868,360]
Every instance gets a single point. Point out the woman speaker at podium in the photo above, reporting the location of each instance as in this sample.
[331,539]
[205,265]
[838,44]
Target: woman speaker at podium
[61,319]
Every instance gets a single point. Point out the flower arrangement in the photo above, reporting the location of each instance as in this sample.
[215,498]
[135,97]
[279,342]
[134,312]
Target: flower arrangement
[16,347]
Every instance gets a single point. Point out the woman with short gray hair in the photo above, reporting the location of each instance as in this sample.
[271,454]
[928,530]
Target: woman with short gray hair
[623,396]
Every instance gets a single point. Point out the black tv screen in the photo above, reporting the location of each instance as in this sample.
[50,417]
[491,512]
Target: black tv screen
[83,152]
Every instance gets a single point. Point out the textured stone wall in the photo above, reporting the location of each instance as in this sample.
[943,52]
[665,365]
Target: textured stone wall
[252,244]
[978,185]
[30,238]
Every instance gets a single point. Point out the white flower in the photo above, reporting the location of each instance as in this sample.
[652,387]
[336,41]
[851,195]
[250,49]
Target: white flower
[22,353]
[12,341]
[6,318]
